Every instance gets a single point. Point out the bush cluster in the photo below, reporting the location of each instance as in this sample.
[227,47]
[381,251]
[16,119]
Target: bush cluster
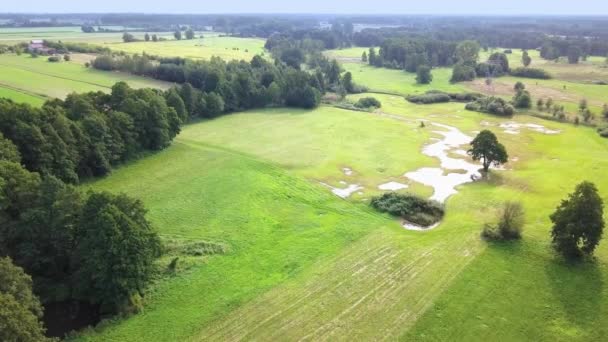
[531,73]
[491,105]
[436,96]
[368,102]
[412,208]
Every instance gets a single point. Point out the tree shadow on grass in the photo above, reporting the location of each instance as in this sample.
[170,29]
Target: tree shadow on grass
[579,288]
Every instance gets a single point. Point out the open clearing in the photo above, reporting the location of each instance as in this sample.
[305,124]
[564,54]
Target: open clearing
[308,265]
[38,78]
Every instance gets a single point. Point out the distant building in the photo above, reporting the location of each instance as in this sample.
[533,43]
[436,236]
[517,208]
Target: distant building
[37,45]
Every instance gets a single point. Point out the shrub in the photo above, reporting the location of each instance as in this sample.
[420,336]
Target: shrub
[54,59]
[522,99]
[510,223]
[436,96]
[430,97]
[491,105]
[423,74]
[531,73]
[463,72]
[368,102]
[412,208]
[603,131]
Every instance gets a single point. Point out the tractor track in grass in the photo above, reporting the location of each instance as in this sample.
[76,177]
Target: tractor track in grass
[23,91]
[375,289]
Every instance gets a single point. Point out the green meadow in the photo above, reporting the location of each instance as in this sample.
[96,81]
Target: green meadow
[35,78]
[304,264]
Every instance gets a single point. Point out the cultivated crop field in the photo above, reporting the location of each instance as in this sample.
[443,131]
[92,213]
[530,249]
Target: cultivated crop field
[36,79]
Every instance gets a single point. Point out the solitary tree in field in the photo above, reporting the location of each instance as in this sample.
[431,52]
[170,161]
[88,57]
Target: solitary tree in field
[364,57]
[154,38]
[578,222]
[347,82]
[540,105]
[190,34]
[147,37]
[549,103]
[574,54]
[582,105]
[178,35]
[485,147]
[372,56]
[423,74]
[525,59]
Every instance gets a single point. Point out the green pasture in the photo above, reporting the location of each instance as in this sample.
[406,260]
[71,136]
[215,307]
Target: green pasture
[306,264]
[36,77]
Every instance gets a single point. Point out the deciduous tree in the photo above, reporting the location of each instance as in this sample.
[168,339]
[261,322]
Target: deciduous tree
[578,222]
[485,147]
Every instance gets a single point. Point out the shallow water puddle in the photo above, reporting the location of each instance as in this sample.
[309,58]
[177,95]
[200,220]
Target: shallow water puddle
[515,128]
[443,182]
[344,192]
[393,186]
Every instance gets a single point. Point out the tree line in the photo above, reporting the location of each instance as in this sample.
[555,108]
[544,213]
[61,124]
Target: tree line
[87,134]
[238,85]
[87,254]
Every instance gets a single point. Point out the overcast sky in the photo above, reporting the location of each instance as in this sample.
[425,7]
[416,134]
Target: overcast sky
[501,7]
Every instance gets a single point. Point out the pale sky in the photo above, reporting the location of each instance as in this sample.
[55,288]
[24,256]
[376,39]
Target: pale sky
[499,7]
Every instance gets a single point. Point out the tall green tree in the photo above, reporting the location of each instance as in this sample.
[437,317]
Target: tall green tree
[574,54]
[364,57]
[20,309]
[177,34]
[8,150]
[485,147]
[423,74]
[347,82]
[526,60]
[467,52]
[189,34]
[372,56]
[578,222]
[115,250]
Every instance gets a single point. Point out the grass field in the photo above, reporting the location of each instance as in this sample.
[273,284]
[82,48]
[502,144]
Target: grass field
[68,33]
[227,48]
[28,78]
[307,265]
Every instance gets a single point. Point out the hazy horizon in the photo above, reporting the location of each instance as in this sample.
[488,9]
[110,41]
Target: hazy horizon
[379,7]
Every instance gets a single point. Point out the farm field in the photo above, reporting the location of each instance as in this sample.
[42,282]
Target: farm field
[38,78]
[68,33]
[227,48]
[359,275]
